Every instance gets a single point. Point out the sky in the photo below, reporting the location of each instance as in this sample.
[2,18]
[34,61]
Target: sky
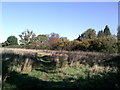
[68,19]
[59,0]
[119,13]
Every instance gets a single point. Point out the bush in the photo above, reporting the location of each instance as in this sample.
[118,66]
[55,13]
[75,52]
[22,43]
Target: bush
[118,46]
[82,45]
[12,40]
[104,44]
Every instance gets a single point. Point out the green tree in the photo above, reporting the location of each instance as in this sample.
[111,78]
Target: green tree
[100,34]
[118,34]
[82,45]
[107,31]
[42,41]
[79,38]
[118,46]
[62,43]
[5,44]
[53,40]
[26,37]
[12,40]
[104,44]
[89,34]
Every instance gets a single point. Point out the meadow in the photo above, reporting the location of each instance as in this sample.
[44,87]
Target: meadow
[25,69]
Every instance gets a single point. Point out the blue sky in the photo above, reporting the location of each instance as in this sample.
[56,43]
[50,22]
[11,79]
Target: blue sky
[119,13]
[69,19]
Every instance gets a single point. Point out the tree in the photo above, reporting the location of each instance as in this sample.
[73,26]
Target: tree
[79,38]
[5,44]
[81,45]
[89,34]
[100,34]
[62,43]
[26,37]
[118,34]
[107,31]
[12,40]
[53,40]
[104,44]
[40,41]
[43,39]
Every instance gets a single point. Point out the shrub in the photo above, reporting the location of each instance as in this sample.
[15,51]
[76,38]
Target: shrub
[118,46]
[12,40]
[104,44]
[82,45]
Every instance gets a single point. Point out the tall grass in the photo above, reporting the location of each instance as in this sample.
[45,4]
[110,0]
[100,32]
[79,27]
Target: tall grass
[26,69]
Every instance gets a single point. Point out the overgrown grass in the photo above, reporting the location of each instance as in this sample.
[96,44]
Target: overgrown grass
[59,74]
[49,74]
[79,76]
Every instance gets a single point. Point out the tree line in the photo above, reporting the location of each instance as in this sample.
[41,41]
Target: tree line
[103,41]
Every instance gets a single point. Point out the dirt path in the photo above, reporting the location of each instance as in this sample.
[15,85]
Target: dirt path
[53,52]
[18,51]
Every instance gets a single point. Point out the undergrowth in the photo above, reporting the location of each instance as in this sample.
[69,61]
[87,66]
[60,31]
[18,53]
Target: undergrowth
[49,75]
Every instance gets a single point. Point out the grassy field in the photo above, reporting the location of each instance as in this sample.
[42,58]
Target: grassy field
[34,71]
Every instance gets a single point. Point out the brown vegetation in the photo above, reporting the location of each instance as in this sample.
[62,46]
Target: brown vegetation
[62,56]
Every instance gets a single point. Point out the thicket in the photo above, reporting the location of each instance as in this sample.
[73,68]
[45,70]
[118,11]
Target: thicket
[11,40]
[104,41]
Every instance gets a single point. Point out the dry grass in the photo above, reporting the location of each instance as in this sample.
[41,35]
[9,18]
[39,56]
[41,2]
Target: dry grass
[82,75]
[71,56]
[52,52]
[97,68]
